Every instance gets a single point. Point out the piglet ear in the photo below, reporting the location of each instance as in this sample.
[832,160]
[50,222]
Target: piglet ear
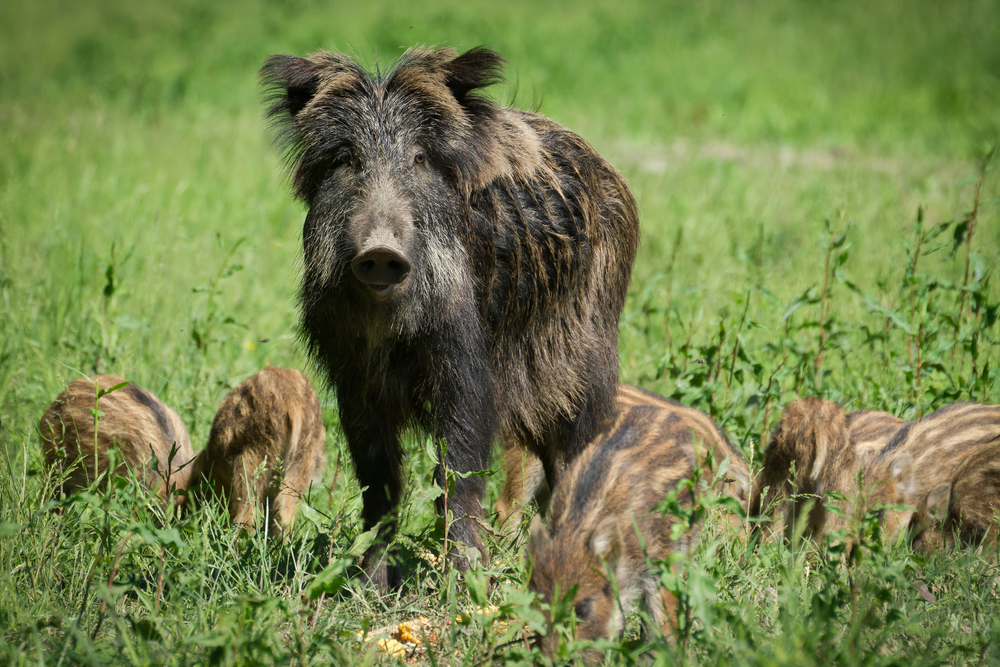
[902,473]
[602,539]
[539,536]
[476,68]
[289,84]
[938,500]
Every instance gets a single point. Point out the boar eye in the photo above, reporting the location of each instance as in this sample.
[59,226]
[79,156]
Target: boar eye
[582,609]
[418,158]
[342,159]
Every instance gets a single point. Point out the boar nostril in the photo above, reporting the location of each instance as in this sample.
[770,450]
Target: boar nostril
[381,266]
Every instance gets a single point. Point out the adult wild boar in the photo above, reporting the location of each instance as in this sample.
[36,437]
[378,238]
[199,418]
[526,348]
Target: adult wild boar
[465,266]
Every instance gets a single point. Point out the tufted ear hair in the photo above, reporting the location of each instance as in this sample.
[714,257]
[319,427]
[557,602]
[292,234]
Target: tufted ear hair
[289,83]
[477,68]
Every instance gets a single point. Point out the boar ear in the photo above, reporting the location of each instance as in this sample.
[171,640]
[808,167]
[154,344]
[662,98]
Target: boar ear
[289,83]
[476,68]
[539,536]
[602,539]
[938,500]
[901,471]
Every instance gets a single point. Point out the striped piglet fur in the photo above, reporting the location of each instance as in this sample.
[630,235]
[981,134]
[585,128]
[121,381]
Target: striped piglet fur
[956,462]
[265,448]
[602,514]
[942,465]
[826,449]
[266,445]
[131,420]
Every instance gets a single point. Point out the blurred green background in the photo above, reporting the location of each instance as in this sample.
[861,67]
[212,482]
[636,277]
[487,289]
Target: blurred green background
[134,159]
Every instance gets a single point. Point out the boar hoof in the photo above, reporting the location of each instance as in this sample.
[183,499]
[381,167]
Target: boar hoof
[380,574]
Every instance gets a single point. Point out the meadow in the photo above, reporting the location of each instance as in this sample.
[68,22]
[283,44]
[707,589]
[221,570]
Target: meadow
[820,214]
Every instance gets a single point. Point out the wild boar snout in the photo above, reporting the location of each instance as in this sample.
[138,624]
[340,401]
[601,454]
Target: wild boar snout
[381,268]
[384,236]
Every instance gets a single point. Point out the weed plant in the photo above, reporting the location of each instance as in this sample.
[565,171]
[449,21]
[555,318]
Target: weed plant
[819,208]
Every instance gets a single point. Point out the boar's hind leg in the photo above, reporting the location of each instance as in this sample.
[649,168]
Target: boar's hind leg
[568,437]
[524,482]
[374,443]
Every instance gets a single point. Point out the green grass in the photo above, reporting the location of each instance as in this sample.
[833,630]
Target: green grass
[142,209]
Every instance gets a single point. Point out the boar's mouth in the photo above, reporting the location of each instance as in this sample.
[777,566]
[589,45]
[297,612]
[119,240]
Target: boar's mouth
[381,268]
[382,292]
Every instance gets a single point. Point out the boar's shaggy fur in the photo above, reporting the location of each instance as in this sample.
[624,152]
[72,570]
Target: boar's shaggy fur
[133,421]
[265,448]
[827,448]
[465,266]
[602,511]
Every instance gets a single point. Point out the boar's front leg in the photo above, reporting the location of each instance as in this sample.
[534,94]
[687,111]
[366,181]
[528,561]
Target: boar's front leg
[373,438]
[465,418]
